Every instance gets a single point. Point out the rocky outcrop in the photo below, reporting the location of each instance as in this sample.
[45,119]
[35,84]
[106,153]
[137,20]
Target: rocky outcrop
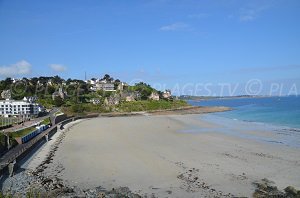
[267,188]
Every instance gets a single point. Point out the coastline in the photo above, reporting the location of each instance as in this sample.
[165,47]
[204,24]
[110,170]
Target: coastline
[162,159]
[177,111]
[26,178]
[258,131]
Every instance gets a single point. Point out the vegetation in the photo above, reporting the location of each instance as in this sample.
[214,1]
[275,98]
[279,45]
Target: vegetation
[58,112]
[58,102]
[8,121]
[46,102]
[22,132]
[150,105]
[46,121]
[144,89]
[2,142]
[78,95]
[85,108]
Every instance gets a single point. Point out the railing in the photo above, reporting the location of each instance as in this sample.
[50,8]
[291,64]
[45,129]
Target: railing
[17,151]
[14,153]
[20,149]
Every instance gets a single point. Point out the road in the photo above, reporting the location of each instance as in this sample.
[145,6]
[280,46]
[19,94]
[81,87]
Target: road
[31,122]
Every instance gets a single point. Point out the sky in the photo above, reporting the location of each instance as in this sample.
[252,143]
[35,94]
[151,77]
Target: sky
[196,47]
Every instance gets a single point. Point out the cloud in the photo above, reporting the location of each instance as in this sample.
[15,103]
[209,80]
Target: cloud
[58,67]
[175,27]
[250,14]
[20,68]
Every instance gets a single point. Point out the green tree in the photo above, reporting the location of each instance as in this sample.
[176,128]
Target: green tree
[78,108]
[144,89]
[58,101]
[57,80]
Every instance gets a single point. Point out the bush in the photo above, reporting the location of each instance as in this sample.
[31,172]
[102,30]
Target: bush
[78,108]
[150,105]
[58,101]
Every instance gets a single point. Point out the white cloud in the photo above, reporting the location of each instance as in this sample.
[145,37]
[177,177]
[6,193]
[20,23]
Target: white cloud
[20,68]
[251,14]
[58,67]
[248,15]
[174,27]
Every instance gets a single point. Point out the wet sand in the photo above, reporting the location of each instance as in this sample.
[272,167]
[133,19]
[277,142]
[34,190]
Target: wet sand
[155,155]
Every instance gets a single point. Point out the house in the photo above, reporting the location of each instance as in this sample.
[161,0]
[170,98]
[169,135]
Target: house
[114,100]
[167,94]
[95,101]
[91,82]
[31,98]
[122,86]
[26,108]
[105,102]
[129,96]
[105,86]
[154,96]
[60,93]
[6,94]
[49,82]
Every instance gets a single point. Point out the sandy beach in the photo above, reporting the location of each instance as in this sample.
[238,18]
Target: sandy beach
[157,155]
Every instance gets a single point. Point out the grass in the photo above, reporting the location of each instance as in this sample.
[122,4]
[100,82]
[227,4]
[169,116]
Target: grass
[143,105]
[22,132]
[57,113]
[8,121]
[46,121]
[149,105]
[83,109]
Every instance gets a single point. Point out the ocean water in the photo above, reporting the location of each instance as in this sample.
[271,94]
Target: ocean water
[278,111]
[279,116]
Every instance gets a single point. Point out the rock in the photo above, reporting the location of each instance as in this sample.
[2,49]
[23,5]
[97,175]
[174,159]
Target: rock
[266,188]
[101,195]
[262,186]
[291,191]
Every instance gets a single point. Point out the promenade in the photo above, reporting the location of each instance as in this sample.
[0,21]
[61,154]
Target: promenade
[20,149]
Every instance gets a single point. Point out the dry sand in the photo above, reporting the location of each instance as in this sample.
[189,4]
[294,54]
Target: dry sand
[150,155]
[41,154]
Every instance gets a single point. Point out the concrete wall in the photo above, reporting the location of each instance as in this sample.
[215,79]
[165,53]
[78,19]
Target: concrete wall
[21,151]
[59,118]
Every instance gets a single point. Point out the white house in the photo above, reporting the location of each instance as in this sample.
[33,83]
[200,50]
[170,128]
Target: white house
[167,94]
[95,101]
[154,96]
[103,86]
[26,108]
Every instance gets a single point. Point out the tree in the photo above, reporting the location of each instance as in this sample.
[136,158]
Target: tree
[6,83]
[57,80]
[69,80]
[108,78]
[58,101]
[78,108]
[34,80]
[144,89]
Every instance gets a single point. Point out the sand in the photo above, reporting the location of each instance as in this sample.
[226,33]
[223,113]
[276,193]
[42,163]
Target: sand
[40,154]
[154,155]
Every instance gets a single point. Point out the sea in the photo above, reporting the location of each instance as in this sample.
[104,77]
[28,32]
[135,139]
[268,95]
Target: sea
[278,114]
